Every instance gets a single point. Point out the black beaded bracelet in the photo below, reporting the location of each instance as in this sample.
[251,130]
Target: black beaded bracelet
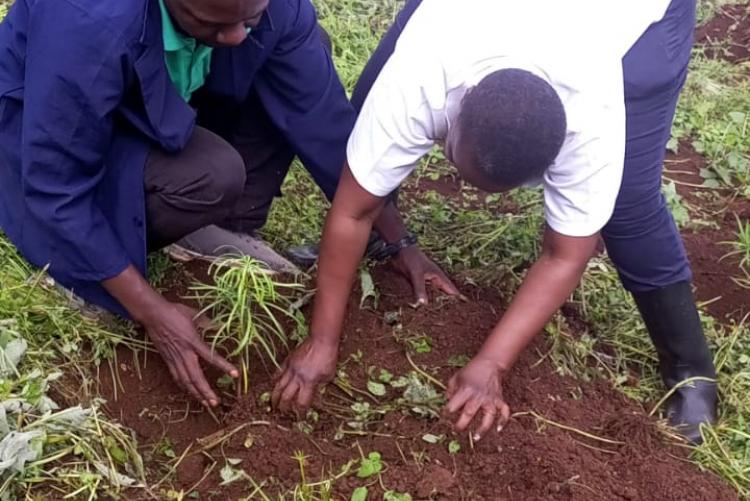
[389,250]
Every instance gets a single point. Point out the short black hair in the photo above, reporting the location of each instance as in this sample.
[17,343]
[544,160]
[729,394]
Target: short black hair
[515,124]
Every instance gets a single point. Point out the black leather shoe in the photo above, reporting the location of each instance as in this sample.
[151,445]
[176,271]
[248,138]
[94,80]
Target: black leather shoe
[673,323]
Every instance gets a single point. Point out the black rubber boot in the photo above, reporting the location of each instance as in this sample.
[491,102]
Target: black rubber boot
[673,323]
[305,256]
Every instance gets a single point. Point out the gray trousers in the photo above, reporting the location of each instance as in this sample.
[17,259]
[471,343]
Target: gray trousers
[228,174]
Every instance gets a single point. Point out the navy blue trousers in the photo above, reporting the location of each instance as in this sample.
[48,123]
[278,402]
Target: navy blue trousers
[641,237]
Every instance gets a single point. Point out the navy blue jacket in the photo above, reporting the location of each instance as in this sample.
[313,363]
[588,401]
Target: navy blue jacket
[84,96]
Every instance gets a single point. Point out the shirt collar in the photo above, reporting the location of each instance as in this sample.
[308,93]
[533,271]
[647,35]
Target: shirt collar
[174,40]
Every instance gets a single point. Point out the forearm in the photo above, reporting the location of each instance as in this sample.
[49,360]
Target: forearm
[548,284]
[389,224]
[344,242]
[135,294]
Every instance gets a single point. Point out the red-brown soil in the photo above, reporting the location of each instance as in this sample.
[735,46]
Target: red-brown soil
[727,35]
[715,273]
[528,460]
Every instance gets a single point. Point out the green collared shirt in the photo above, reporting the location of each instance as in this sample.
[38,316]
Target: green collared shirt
[188,61]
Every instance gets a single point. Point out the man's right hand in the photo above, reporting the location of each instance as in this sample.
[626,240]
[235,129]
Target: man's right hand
[173,332]
[311,364]
[172,329]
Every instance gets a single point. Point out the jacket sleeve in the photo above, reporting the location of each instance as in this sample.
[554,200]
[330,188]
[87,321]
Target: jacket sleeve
[303,96]
[73,83]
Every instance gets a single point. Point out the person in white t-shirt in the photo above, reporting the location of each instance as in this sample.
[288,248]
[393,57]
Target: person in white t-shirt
[576,96]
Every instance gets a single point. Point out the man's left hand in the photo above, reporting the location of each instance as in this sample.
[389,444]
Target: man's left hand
[421,270]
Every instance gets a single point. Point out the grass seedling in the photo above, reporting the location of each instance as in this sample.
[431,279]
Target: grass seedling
[247,304]
[740,246]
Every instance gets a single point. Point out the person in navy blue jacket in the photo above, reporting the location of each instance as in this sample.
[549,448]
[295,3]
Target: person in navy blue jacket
[101,159]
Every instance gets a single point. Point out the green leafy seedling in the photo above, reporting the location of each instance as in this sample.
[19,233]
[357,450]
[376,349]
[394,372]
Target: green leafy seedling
[421,344]
[385,376]
[376,388]
[166,448]
[454,447]
[359,494]
[370,466]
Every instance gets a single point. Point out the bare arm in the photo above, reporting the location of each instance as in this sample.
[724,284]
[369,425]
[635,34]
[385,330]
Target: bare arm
[345,236]
[549,282]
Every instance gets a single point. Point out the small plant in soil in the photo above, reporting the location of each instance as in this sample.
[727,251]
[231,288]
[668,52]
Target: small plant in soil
[250,308]
[420,344]
[741,249]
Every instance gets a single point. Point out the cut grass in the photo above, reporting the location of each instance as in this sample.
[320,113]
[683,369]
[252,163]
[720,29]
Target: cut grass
[73,449]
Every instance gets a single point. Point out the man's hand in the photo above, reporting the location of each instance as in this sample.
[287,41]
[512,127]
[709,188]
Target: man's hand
[421,270]
[478,386]
[173,332]
[311,364]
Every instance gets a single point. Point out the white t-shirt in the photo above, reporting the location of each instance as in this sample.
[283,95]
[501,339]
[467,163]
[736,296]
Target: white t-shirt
[447,47]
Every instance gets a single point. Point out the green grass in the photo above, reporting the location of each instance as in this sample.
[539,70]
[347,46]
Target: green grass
[71,448]
[714,117]
[615,322]
[708,8]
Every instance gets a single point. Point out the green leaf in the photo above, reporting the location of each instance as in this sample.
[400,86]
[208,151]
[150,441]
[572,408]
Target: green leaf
[458,360]
[229,474]
[422,344]
[194,495]
[711,183]
[359,494]
[673,144]
[454,447]
[225,381]
[377,389]
[385,376]
[371,465]
[707,173]
[737,117]
[396,496]
[118,454]
[368,288]
[433,439]
[737,161]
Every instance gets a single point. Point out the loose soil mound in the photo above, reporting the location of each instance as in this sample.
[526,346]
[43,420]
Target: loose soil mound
[727,35]
[531,459]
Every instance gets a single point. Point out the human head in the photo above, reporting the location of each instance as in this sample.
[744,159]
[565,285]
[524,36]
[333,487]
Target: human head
[218,23]
[509,130]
